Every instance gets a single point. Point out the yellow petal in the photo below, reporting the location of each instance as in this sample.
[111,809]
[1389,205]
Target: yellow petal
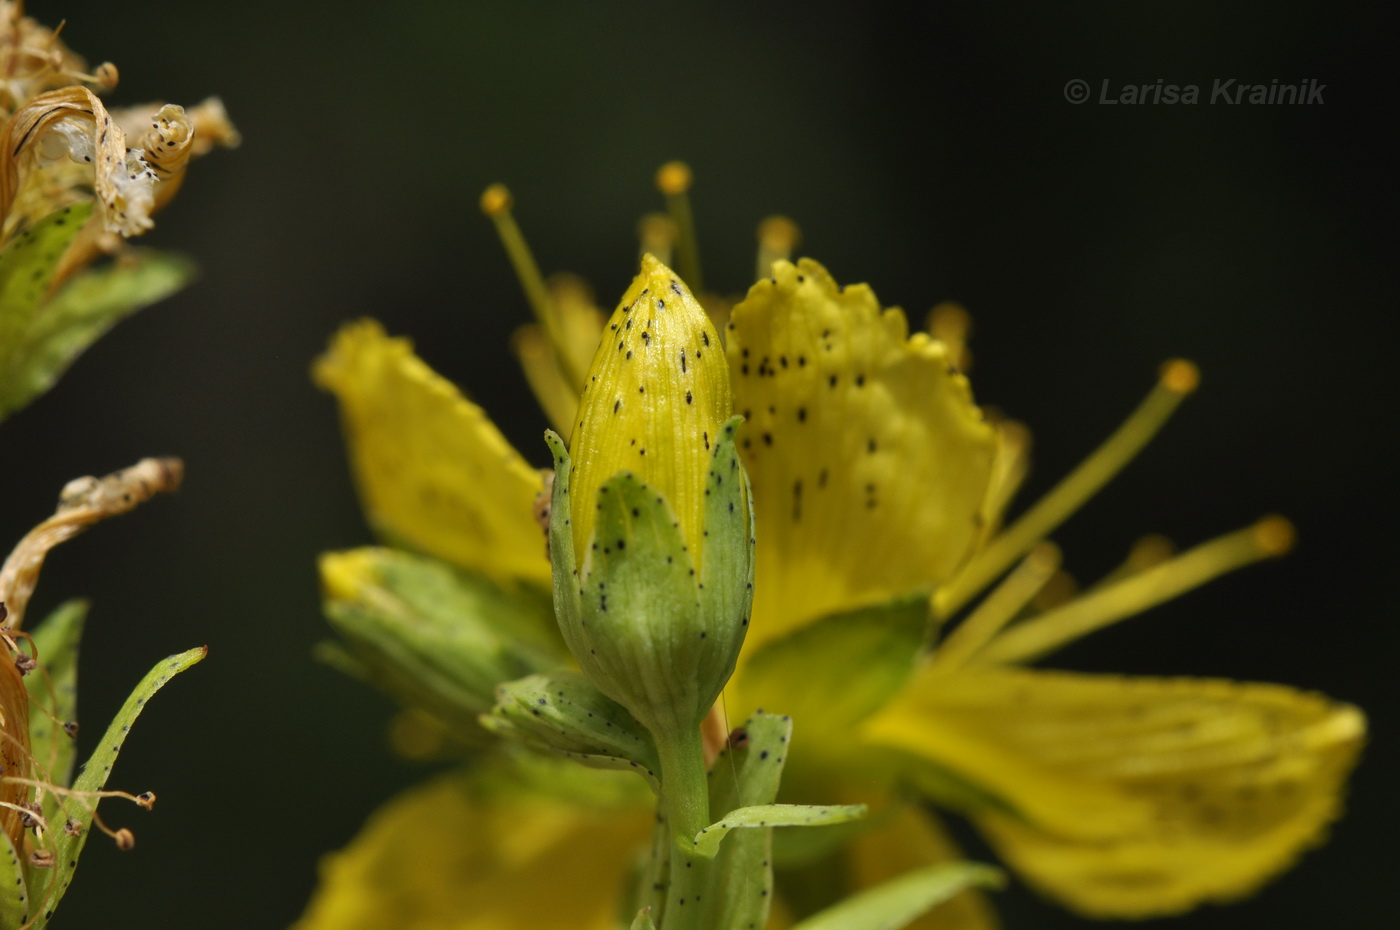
[906,839]
[868,458]
[1137,796]
[434,473]
[451,856]
[656,398]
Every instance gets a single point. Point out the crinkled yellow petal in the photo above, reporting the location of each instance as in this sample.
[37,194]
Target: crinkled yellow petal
[433,471]
[1136,796]
[446,856]
[906,839]
[656,399]
[868,457]
[580,327]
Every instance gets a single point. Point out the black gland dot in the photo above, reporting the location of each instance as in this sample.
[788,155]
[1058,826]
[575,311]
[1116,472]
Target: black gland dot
[688,398]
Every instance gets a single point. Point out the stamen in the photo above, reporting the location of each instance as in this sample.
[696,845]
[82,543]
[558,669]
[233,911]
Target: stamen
[1010,464]
[999,608]
[674,179]
[778,236]
[1269,538]
[951,324]
[1178,378]
[1060,589]
[496,203]
[657,234]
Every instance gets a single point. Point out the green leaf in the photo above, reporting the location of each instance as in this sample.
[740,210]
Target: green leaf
[563,712]
[774,815]
[430,635]
[80,313]
[747,771]
[27,266]
[53,695]
[902,900]
[14,885]
[870,651]
[77,813]
[643,920]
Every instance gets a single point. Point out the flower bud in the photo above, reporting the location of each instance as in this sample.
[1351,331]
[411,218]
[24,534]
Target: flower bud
[651,536]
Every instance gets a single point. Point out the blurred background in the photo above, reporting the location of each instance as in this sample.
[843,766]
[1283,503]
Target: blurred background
[929,151]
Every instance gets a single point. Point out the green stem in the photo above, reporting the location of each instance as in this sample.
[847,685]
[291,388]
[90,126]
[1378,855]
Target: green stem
[686,795]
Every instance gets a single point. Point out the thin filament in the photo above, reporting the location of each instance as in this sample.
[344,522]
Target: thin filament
[1178,379]
[1270,537]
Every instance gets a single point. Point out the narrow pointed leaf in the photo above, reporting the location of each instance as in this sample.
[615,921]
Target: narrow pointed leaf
[67,847]
[747,772]
[80,313]
[53,694]
[643,920]
[14,889]
[900,901]
[774,815]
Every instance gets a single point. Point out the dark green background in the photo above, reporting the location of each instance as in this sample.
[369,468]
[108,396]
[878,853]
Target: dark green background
[931,153]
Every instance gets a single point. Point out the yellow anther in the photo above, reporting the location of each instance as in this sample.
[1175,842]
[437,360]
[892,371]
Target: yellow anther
[1152,549]
[779,232]
[674,177]
[656,233]
[1180,376]
[951,324]
[1275,535]
[1060,589]
[496,200]
[778,236]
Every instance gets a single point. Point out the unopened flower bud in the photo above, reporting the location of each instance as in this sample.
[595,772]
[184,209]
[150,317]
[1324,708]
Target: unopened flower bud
[651,532]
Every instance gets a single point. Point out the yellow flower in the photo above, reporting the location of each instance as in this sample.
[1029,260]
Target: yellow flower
[880,496]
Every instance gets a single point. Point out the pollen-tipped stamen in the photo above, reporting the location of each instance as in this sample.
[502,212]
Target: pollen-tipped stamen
[778,238]
[999,608]
[1178,379]
[496,203]
[674,179]
[1269,538]
[656,235]
[951,324]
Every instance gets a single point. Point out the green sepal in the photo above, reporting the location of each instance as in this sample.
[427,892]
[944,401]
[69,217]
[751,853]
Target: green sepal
[50,884]
[430,635]
[80,313]
[708,840]
[563,712]
[643,920]
[644,629]
[14,885]
[727,557]
[53,695]
[872,651]
[902,900]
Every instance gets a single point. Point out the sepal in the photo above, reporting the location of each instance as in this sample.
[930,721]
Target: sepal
[429,635]
[644,629]
[562,712]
